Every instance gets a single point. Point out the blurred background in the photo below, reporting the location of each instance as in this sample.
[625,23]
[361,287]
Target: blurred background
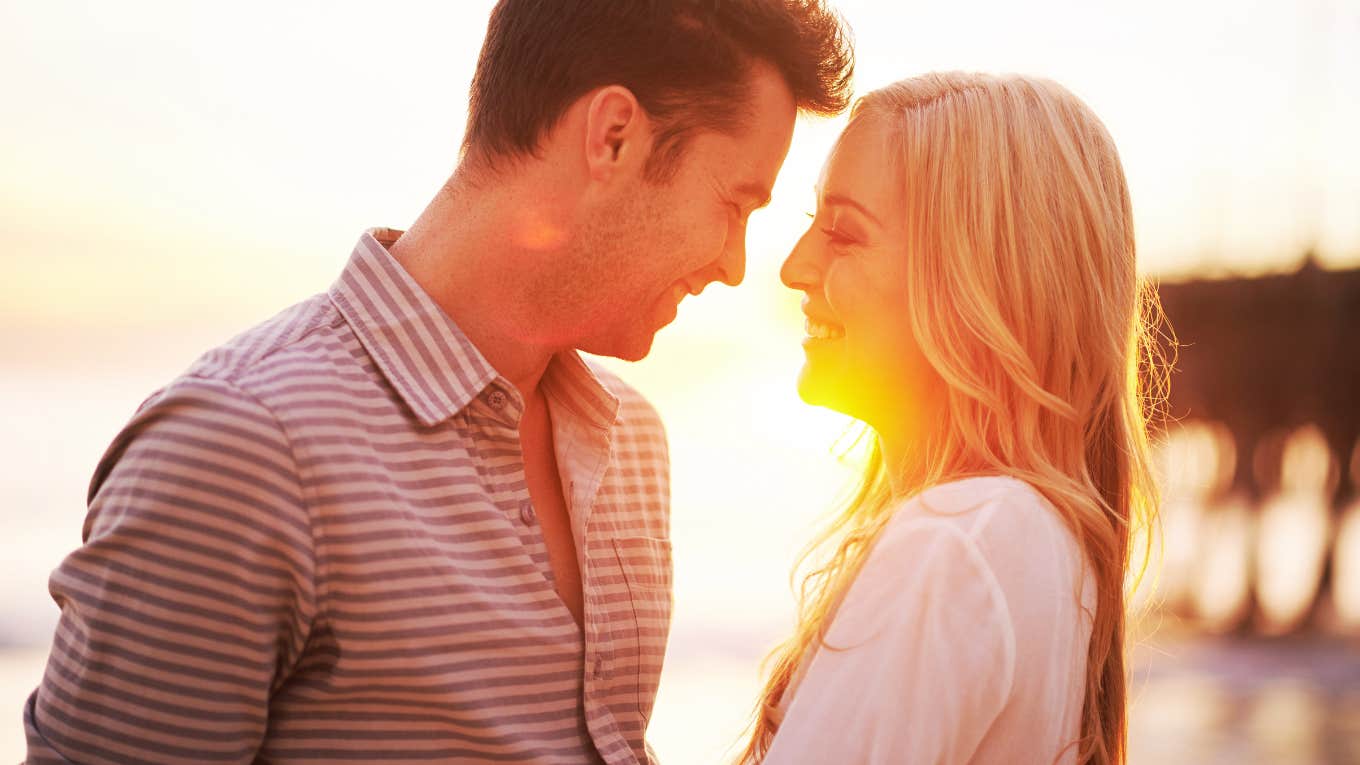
[178,171]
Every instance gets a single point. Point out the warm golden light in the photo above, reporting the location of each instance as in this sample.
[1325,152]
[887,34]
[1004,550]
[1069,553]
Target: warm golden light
[166,189]
[1346,569]
[1195,463]
[1291,547]
[1292,531]
[1221,587]
[538,231]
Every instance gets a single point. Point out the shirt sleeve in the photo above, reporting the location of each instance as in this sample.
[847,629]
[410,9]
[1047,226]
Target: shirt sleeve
[920,658]
[191,597]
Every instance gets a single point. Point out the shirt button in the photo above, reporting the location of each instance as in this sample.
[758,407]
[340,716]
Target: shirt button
[597,669]
[496,400]
[526,513]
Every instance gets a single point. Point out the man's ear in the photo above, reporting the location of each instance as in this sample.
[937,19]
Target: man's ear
[618,133]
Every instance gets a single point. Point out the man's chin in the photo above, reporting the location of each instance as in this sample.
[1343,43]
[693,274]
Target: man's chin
[629,348]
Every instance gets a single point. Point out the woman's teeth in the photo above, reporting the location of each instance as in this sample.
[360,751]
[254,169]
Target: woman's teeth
[822,331]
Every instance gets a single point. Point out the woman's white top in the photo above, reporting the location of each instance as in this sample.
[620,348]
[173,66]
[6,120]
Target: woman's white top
[964,640]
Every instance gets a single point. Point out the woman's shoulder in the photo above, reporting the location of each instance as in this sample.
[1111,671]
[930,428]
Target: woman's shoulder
[1008,526]
[978,506]
[955,526]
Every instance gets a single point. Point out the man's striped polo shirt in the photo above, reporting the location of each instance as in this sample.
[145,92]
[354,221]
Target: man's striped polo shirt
[317,545]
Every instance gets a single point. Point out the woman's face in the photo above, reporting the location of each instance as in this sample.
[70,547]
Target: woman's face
[862,357]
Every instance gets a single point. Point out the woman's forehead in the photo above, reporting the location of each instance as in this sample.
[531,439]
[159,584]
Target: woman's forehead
[860,169]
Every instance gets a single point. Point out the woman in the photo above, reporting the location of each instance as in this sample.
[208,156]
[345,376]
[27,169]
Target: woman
[971,295]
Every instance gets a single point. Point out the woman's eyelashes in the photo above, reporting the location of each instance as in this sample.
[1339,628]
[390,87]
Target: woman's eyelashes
[834,234]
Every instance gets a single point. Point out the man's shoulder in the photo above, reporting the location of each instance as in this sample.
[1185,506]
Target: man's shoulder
[291,344]
[253,367]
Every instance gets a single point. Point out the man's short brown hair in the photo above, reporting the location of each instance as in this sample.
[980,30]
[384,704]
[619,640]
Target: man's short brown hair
[686,61]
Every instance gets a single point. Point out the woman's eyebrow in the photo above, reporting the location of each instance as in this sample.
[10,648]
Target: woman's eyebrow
[834,199]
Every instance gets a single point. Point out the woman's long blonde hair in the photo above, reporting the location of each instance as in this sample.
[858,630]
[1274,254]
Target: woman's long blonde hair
[1024,298]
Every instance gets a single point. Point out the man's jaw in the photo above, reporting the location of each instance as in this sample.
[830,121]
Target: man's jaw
[634,346]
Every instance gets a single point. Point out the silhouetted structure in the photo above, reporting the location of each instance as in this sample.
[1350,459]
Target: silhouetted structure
[1266,355]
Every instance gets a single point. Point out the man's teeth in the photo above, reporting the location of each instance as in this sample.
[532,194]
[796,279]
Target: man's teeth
[822,331]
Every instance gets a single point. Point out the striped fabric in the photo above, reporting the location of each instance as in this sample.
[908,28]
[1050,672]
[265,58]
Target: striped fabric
[317,545]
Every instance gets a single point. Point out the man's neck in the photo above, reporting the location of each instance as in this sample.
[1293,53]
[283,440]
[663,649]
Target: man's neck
[458,253]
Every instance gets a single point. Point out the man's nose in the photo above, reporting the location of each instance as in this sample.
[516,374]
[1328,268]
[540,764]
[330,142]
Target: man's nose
[732,264]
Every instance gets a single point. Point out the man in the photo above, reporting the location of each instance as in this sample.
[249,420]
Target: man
[404,521]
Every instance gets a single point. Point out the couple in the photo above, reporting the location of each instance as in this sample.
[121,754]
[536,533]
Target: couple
[404,521]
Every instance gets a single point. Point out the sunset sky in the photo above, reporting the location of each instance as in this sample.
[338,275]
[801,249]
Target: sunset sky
[172,161]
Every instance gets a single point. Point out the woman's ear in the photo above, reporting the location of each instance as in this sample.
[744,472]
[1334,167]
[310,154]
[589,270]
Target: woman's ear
[617,133]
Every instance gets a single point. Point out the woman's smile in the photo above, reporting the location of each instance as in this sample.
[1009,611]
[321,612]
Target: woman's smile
[818,330]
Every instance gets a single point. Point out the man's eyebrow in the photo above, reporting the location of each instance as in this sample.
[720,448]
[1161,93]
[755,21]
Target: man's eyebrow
[833,200]
[755,191]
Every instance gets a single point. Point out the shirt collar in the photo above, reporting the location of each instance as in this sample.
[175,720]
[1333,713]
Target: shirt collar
[423,354]
[571,381]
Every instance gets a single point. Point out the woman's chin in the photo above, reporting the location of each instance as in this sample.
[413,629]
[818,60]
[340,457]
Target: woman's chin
[838,395]
[816,390]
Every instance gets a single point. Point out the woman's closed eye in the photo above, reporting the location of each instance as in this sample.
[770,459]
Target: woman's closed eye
[833,234]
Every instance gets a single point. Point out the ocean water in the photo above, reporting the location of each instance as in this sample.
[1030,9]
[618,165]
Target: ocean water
[753,471]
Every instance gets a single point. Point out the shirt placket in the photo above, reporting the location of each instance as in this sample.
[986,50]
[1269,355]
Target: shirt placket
[510,488]
[592,448]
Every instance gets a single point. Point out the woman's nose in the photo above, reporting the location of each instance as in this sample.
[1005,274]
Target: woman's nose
[800,270]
